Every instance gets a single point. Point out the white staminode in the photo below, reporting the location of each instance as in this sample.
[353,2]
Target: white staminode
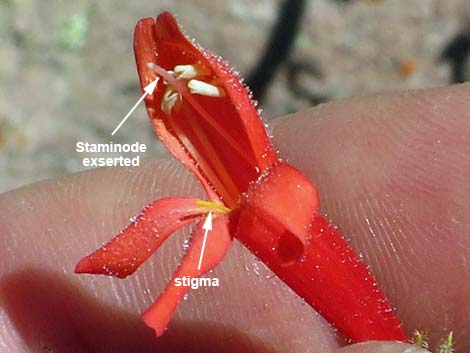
[188,72]
[205,89]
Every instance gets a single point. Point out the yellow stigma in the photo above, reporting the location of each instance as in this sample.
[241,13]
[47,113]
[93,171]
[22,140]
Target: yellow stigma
[213,206]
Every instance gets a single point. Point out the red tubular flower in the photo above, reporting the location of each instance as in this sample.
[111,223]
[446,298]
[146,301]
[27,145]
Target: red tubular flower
[206,118]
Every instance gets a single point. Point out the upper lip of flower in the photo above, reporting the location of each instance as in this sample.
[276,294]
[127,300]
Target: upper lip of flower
[201,111]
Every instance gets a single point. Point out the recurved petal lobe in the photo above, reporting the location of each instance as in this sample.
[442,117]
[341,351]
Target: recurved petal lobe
[123,254]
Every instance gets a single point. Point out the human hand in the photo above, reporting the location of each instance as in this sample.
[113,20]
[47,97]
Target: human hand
[392,172]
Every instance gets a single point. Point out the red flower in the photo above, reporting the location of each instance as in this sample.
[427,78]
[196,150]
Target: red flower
[206,118]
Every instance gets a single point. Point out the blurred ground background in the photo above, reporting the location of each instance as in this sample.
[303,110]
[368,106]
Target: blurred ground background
[67,70]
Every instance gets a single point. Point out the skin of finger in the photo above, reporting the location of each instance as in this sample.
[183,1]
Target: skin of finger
[381,347]
[362,154]
[392,172]
[47,227]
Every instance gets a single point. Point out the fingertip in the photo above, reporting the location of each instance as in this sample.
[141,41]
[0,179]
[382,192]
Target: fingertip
[393,171]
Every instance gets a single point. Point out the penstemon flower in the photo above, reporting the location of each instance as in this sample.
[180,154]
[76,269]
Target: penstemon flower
[206,118]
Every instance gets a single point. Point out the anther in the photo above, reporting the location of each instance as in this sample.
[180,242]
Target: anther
[205,89]
[169,100]
[188,72]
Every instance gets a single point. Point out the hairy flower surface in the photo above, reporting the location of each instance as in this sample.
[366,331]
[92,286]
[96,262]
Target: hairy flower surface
[206,118]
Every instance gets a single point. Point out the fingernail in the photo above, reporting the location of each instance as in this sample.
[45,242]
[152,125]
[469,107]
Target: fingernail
[381,347]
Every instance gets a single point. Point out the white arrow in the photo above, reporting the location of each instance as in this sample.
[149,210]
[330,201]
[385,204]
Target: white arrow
[148,90]
[207,226]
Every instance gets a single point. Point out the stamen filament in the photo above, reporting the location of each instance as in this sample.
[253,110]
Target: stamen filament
[205,167]
[213,157]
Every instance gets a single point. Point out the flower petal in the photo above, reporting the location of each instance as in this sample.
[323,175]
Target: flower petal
[145,49]
[221,139]
[315,261]
[121,256]
[217,244]
[285,200]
